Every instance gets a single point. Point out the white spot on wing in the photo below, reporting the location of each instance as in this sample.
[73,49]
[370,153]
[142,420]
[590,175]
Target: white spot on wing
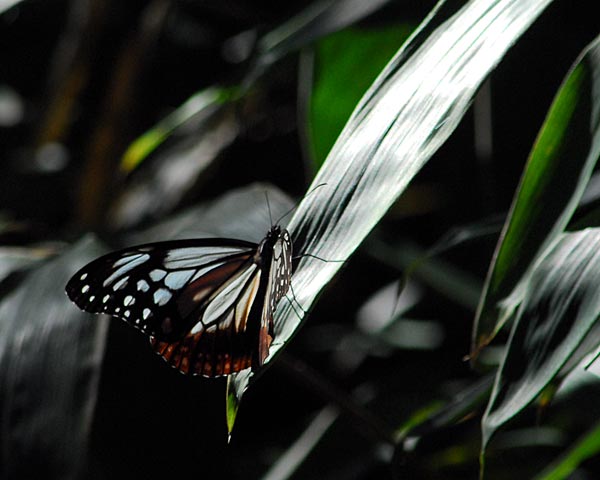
[83,276]
[128,300]
[130,258]
[162,296]
[157,275]
[199,327]
[142,285]
[105,299]
[85,288]
[146,313]
[176,280]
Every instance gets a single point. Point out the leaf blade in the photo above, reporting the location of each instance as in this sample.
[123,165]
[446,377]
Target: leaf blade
[406,115]
[557,171]
[560,307]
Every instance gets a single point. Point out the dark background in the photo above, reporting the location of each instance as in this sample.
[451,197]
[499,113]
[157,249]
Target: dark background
[152,422]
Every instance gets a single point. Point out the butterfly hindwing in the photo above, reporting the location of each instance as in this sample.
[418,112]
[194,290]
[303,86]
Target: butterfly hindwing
[222,340]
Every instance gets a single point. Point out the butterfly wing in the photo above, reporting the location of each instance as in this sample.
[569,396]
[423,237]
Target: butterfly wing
[160,288]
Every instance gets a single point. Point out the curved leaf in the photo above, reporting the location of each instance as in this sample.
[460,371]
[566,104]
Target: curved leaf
[554,180]
[588,446]
[13,259]
[200,107]
[316,21]
[560,308]
[406,115]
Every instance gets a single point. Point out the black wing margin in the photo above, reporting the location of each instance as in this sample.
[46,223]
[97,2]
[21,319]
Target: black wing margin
[143,285]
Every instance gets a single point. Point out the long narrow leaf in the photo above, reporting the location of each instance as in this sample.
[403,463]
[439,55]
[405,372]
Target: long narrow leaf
[554,180]
[559,310]
[319,19]
[200,106]
[564,466]
[406,115]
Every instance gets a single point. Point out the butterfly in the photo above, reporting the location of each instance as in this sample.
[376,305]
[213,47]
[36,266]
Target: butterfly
[206,304]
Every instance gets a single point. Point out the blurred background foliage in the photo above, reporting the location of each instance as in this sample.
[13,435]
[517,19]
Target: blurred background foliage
[144,121]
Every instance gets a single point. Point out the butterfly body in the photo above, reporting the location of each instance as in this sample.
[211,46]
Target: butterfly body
[206,304]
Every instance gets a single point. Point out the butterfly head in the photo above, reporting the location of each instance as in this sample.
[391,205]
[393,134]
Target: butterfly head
[274,240]
[274,232]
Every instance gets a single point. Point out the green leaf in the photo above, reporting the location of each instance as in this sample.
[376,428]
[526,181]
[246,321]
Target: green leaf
[566,464]
[439,415]
[357,54]
[200,106]
[559,311]
[407,114]
[232,404]
[556,174]
[316,21]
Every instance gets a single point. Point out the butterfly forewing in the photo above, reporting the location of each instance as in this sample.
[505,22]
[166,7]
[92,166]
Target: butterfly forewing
[144,285]
[206,304]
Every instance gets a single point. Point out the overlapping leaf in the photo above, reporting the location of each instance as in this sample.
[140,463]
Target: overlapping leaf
[554,180]
[559,311]
[351,53]
[406,115]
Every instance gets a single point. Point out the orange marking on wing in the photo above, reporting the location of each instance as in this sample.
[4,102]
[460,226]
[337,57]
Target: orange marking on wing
[264,343]
[188,359]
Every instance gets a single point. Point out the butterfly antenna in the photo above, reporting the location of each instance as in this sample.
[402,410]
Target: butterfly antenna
[269,208]
[296,206]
